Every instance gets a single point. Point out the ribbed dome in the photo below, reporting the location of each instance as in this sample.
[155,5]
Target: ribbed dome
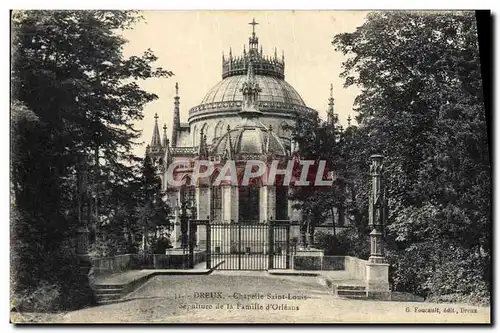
[250,138]
[273,90]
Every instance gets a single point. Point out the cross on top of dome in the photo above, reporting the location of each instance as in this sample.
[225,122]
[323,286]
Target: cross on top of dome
[253,42]
[253,24]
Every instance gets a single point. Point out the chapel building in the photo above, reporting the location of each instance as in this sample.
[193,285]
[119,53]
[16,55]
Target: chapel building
[245,116]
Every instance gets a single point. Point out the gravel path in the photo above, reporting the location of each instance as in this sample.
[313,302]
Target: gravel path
[250,297]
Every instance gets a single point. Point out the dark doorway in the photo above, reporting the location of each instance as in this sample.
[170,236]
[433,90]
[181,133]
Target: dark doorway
[249,205]
[281,202]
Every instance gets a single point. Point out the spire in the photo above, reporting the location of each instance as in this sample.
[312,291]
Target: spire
[250,91]
[177,118]
[269,137]
[282,55]
[331,116]
[228,153]
[250,73]
[155,141]
[202,148]
[349,120]
[275,53]
[165,138]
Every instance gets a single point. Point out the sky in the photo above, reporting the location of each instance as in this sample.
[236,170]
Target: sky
[191,43]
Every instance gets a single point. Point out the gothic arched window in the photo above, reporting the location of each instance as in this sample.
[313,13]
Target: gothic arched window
[219,128]
[204,128]
[195,136]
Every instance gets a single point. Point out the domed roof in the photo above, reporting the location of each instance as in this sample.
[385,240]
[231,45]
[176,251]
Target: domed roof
[251,138]
[274,90]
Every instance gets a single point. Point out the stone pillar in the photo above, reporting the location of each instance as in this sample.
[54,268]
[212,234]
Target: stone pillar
[267,202]
[202,202]
[222,239]
[376,211]
[201,237]
[235,208]
[175,236]
[271,202]
[377,281]
[202,212]
[229,203]
[377,270]
[262,204]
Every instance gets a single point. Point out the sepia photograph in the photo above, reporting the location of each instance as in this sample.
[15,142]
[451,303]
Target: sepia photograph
[250,166]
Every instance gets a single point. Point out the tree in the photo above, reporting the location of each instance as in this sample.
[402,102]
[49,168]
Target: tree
[68,70]
[421,105]
[152,212]
[317,140]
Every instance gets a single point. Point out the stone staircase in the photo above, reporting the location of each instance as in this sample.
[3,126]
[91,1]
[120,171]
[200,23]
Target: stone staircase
[115,287]
[344,288]
[105,294]
[351,291]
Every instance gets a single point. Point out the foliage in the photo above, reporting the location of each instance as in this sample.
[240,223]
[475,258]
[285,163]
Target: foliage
[152,212]
[160,245]
[73,94]
[332,244]
[317,140]
[348,242]
[421,105]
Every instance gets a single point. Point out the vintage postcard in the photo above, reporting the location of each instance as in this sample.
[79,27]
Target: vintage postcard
[250,167]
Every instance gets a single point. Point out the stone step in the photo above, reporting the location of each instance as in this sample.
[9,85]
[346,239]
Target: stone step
[107,297]
[108,286]
[108,291]
[350,287]
[361,293]
[360,297]
[106,301]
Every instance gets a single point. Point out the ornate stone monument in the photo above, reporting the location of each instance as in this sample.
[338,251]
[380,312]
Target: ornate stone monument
[377,270]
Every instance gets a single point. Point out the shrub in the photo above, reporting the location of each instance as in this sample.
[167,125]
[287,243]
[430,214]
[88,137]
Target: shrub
[67,289]
[39,299]
[161,245]
[333,245]
[55,282]
[440,273]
